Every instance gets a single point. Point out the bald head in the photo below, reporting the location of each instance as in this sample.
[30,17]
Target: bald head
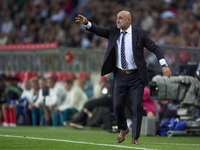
[123,20]
[125,13]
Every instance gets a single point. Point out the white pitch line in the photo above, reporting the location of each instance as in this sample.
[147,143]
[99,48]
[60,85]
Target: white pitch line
[179,144]
[68,141]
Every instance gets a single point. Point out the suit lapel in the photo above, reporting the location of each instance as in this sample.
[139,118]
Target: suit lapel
[115,36]
[112,40]
[134,39]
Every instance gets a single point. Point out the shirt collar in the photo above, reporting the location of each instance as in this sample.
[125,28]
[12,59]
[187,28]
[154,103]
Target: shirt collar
[129,30]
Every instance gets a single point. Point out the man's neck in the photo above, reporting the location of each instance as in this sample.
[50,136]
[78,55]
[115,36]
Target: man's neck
[123,30]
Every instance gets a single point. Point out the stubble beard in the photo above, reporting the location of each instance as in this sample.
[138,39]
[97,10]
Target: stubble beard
[120,26]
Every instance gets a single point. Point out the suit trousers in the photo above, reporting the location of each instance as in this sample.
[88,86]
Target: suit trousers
[123,85]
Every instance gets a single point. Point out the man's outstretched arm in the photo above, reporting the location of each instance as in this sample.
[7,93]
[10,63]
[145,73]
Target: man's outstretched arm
[92,27]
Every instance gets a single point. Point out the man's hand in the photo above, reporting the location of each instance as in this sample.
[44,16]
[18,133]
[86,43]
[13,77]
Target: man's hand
[31,106]
[166,71]
[56,109]
[40,104]
[81,19]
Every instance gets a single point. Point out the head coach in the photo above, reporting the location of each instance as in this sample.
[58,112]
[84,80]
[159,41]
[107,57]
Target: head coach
[125,58]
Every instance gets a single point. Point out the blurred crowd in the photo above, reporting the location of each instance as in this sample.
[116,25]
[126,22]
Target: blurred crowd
[175,22]
[59,99]
[30,99]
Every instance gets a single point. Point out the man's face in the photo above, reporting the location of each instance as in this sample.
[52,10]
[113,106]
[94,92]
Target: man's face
[67,86]
[35,85]
[50,83]
[27,85]
[42,83]
[82,83]
[122,21]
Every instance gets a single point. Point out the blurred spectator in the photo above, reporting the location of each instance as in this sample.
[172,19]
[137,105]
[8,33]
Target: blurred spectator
[26,90]
[147,21]
[106,100]
[40,103]
[56,97]
[13,93]
[85,42]
[58,14]
[149,104]
[67,109]
[7,25]
[35,105]
[25,99]
[88,87]
[195,6]
[42,83]
[2,96]
[3,38]
[75,99]
[44,10]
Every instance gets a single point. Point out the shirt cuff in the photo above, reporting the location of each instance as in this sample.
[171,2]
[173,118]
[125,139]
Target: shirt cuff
[162,61]
[88,25]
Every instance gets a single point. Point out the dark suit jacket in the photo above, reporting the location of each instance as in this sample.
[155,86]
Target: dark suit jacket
[139,41]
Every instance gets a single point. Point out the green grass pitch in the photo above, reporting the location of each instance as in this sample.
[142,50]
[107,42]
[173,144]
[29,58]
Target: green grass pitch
[67,138]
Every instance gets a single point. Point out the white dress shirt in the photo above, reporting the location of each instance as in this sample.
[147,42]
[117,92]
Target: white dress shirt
[130,63]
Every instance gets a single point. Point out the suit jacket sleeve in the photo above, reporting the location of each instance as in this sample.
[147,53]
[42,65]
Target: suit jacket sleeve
[99,31]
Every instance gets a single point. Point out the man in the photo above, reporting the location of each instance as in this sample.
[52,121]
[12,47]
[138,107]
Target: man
[67,109]
[23,103]
[35,104]
[125,58]
[105,100]
[75,100]
[57,96]
[88,89]
[2,96]
[13,93]
[42,84]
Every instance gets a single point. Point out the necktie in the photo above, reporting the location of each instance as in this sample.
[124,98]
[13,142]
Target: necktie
[123,60]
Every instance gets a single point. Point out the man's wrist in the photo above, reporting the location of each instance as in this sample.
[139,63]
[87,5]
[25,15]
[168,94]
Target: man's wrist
[88,25]
[162,62]
[86,22]
[165,65]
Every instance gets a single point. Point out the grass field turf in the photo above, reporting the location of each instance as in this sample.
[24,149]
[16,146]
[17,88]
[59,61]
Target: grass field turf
[58,138]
